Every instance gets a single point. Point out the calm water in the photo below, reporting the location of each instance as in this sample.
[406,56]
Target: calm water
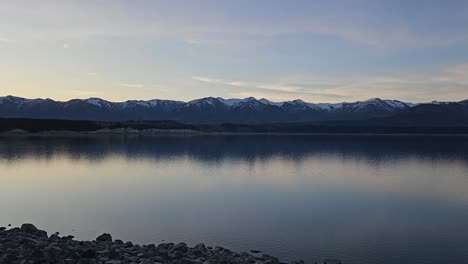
[362,199]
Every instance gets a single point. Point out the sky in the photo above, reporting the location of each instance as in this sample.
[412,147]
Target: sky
[317,51]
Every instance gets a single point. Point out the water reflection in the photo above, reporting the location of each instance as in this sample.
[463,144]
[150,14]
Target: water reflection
[217,148]
[379,199]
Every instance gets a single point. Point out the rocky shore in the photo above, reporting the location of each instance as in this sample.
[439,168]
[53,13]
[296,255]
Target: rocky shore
[30,245]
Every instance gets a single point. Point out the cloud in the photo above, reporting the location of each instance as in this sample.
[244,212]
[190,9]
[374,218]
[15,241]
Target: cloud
[84,20]
[147,87]
[66,45]
[83,93]
[133,85]
[218,81]
[269,88]
[4,40]
[194,42]
[449,83]
[155,88]
[92,73]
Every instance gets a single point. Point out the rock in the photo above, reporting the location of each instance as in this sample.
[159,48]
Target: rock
[165,246]
[255,251]
[188,261]
[332,261]
[41,233]
[151,246]
[104,238]
[181,247]
[218,249]
[115,254]
[29,245]
[37,254]
[298,262]
[105,253]
[27,241]
[54,237]
[88,253]
[267,259]
[9,257]
[29,228]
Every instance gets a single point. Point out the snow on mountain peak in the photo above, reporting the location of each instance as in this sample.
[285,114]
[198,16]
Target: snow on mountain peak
[372,100]
[98,102]
[268,102]
[203,101]
[229,102]
[249,99]
[396,104]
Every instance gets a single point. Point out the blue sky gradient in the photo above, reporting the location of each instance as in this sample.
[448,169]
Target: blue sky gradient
[319,51]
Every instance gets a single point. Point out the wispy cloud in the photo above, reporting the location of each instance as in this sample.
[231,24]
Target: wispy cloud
[269,88]
[133,85]
[450,83]
[219,81]
[99,19]
[83,93]
[192,41]
[145,86]
[155,88]
[4,40]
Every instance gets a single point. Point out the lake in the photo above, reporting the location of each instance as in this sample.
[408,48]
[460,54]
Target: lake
[361,199]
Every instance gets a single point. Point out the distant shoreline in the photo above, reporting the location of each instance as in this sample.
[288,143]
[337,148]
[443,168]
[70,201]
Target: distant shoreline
[168,127]
[158,133]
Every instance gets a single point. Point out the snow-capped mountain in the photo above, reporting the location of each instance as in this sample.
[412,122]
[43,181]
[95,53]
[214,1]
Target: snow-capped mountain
[204,110]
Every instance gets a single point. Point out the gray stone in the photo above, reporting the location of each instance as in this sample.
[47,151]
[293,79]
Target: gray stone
[29,245]
[104,238]
[37,254]
[180,247]
[29,228]
[88,253]
[332,261]
[188,261]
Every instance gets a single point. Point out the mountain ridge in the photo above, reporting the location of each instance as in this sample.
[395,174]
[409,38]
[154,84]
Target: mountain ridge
[204,110]
[228,101]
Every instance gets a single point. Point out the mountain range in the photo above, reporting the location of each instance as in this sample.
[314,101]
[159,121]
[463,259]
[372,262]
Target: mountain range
[211,110]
